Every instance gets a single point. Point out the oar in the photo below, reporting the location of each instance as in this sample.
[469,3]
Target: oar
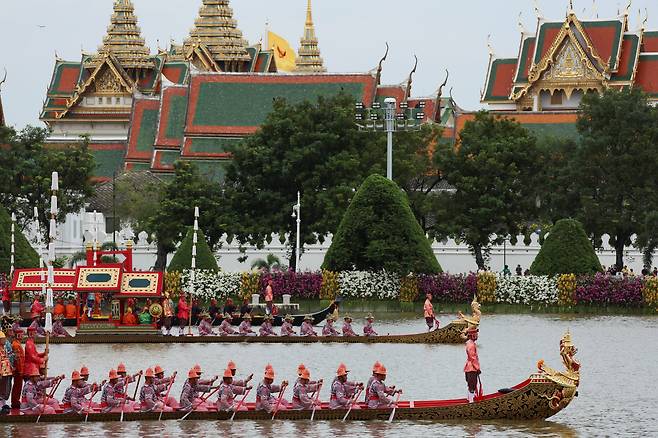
[93,394]
[278,402]
[354,401]
[437,323]
[49,396]
[164,402]
[480,390]
[137,386]
[125,395]
[203,400]
[237,408]
[317,399]
[395,406]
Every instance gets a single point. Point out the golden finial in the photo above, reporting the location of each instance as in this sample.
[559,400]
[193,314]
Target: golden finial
[490,47]
[520,23]
[628,8]
[410,79]
[4,79]
[537,10]
[439,94]
[309,14]
[380,66]
[308,59]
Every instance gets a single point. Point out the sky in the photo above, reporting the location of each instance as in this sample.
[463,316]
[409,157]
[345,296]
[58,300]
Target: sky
[444,34]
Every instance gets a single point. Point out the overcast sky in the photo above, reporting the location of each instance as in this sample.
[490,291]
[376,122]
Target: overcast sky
[443,34]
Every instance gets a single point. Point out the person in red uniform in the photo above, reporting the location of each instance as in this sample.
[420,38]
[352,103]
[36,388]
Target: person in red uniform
[183,314]
[32,355]
[70,310]
[37,308]
[19,363]
[472,368]
[59,308]
[428,311]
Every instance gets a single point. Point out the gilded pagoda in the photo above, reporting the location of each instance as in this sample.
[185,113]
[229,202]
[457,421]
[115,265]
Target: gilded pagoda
[563,60]
[145,111]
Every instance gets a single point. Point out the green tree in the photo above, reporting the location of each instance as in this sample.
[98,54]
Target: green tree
[175,211]
[270,263]
[25,175]
[205,258]
[615,165]
[379,231]
[314,148]
[566,250]
[493,170]
[24,255]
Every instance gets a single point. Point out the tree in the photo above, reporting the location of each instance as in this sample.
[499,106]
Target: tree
[24,255]
[314,148]
[25,175]
[175,212]
[270,263]
[205,259]
[493,170]
[615,165]
[566,250]
[379,231]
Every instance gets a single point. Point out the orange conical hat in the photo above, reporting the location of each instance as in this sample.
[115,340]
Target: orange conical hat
[268,367]
[75,376]
[149,373]
[269,373]
[192,374]
[158,369]
[300,368]
[376,366]
[113,374]
[121,368]
[197,369]
[84,371]
[232,366]
[228,372]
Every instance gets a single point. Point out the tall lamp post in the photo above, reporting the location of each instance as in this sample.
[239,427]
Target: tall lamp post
[297,213]
[389,120]
[193,266]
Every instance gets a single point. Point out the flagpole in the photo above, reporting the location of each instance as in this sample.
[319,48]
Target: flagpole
[13,249]
[193,266]
[52,233]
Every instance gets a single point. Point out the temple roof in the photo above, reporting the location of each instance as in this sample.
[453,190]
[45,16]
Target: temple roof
[124,39]
[217,34]
[308,56]
[2,113]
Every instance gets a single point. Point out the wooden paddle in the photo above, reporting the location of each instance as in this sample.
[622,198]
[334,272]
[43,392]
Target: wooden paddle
[164,402]
[49,396]
[278,402]
[395,406]
[203,400]
[480,390]
[237,408]
[125,395]
[91,398]
[354,401]
[317,400]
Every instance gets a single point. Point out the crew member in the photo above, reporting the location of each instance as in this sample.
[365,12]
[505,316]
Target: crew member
[30,401]
[301,398]
[183,313]
[191,390]
[59,308]
[149,398]
[245,326]
[71,310]
[111,400]
[307,327]
[428,310]
[347,327]
[76,401]
[167,314]
[234,369]
[58,327]
[32,355]
[6,373]
[342,391]
[36,326]
[265,401]
[328,329]
[205,327]
[266,327]
[287,328]
[375,367]
[227,392]
[226,327]
[379,394]
[472,368]
[19,367]
[368,330]
[160,379]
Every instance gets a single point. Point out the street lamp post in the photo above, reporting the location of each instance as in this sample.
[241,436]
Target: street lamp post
[387,119]
[297,213]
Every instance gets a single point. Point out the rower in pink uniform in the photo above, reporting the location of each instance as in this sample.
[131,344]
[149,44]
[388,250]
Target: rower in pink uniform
[307,327]
[472,368]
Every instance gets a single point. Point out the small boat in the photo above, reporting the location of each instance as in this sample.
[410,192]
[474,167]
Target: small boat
[545,393]
[450,334]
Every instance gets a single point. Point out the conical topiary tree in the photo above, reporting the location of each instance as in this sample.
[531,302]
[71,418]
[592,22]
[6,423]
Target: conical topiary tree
[566,250]
[379,231]
[205,258]
[25,255]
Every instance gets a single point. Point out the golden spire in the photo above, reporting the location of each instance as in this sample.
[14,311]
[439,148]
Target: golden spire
[309,59]
[2,114]
[217,30]
[124,38]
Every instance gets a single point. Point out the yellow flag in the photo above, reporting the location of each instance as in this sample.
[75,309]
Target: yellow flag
[283,52]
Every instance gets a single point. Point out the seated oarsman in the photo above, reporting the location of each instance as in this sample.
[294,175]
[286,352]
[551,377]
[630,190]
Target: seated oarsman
[234,369]
[307,327]
[328,329]
[266,328]
[347,327]
[58,327]
[149,399]
[205,325]
[244,329]
[302,398]
[204,382]
[227,393]
[342,390]
[31,403]
[84,373]
[77,401]
[111,401]
[287,328]
[375,367]
[42,390]
[379,394]
[265,401]
[122,385]
[368,330]
[226,327]
[189,397]
[36,327]
[160,379]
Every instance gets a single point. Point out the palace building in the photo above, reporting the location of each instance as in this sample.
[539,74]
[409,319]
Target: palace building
[560,62]
[145,111]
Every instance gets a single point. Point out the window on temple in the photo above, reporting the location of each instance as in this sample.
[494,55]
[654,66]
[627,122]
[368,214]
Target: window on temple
[556,98]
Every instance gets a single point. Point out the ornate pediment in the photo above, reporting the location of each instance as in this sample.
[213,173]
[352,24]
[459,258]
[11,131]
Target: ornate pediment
[107,83]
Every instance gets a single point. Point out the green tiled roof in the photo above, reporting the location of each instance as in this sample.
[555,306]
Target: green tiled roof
[135,167]
[214,170]
[558,130]
[148,126]
[107,162]
[212,145]
[176,116]
[248,104]
[169,157]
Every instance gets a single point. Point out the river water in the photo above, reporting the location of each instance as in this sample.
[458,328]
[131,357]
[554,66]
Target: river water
[618,392]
